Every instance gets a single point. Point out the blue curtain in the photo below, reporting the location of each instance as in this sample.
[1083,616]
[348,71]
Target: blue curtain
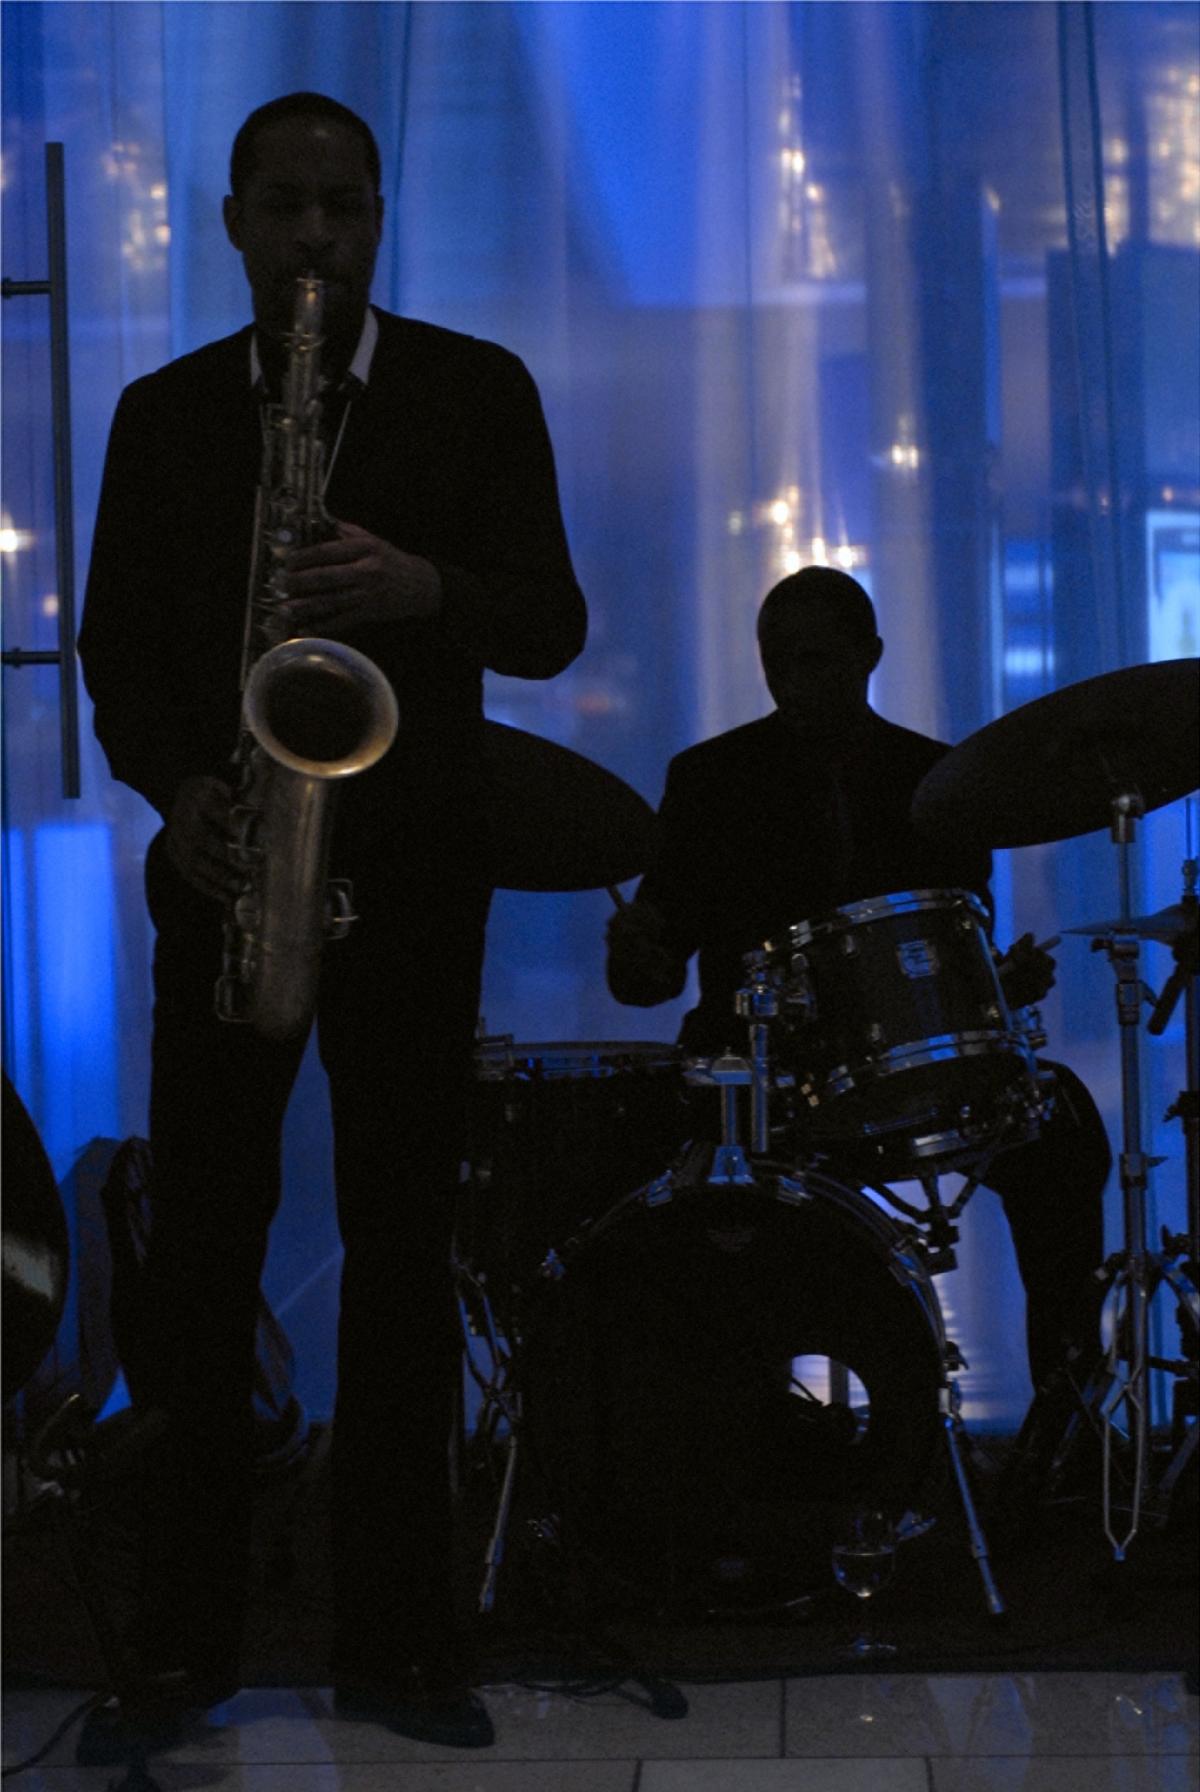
[907,287]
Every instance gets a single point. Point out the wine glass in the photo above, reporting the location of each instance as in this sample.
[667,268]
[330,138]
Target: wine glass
[863,1563]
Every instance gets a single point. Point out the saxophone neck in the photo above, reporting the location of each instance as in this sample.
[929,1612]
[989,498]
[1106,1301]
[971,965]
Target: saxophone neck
[302,375]
[290,510]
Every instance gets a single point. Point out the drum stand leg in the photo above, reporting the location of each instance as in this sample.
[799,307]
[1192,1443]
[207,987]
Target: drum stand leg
[494,1557]
[952,1428]
[501,1401]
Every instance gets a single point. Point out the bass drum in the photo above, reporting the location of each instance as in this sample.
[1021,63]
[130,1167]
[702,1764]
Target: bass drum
[686,1454]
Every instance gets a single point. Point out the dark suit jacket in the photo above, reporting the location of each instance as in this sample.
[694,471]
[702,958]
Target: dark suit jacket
[445,454]
[759,830]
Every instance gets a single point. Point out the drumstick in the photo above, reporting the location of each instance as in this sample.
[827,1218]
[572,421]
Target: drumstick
[1049,945]
[619,901]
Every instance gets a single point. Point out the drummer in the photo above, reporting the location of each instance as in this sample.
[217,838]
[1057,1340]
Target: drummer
[808,809]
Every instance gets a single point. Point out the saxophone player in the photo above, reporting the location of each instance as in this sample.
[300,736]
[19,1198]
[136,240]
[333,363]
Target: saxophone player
[446,554]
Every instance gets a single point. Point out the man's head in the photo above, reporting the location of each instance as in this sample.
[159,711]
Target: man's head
[304,176]
[819,646]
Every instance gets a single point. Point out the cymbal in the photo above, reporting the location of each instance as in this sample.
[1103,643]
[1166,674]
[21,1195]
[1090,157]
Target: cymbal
[1169,925]
[560,821]
[1051,769]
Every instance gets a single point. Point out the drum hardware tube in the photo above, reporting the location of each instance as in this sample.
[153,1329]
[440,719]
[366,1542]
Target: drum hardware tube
[953,1427]
[760,1115]
[758,1002]
[730,1073]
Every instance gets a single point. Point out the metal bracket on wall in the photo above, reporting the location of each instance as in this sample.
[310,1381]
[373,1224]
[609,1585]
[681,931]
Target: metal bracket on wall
[55,288]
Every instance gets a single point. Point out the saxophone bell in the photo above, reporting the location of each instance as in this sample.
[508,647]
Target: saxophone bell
[320,708]
[317,712]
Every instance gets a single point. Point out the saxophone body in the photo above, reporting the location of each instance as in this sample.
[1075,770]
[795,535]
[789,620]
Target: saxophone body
[314,712]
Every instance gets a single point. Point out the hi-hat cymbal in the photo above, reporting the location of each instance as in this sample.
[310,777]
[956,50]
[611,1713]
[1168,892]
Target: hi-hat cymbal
[1168,926]
[560,821]
[1053,768]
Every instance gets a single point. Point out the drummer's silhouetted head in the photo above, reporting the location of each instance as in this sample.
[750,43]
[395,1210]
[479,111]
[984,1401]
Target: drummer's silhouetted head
[819,645]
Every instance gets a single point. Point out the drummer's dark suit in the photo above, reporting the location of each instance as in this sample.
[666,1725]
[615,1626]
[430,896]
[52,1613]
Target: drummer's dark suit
[445,454]
[759,830]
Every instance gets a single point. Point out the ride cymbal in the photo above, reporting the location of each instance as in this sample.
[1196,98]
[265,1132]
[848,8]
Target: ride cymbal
[1053,768]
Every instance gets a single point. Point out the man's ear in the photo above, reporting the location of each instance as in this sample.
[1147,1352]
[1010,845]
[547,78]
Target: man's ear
[874,655]
[231,211]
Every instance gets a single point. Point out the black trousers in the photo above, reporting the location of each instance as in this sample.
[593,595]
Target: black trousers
[396,1015]
[1053,1195]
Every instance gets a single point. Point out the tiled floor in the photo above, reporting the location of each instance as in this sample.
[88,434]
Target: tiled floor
[896,1733]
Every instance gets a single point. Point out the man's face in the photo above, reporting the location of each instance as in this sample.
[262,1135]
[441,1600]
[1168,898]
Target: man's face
[310,206]
[816,673]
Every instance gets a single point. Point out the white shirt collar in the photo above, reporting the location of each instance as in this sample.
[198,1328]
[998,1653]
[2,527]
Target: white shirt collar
[360,366]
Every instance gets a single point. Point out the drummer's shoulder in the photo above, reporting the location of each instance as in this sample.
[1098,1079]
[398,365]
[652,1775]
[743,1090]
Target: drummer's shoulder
[905,743]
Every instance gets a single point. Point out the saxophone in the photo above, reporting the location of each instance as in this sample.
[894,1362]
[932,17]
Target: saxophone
[313,713]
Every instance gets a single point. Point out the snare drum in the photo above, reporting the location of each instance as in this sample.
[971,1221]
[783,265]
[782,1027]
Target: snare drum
[895,1027]
[557,1129]
[674,1373]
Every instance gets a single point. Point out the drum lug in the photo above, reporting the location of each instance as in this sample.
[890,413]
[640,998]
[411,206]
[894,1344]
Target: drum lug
[659,1192]
[1028,1024]
[758,999]
[906,1269]
[794,1193]
[799,996]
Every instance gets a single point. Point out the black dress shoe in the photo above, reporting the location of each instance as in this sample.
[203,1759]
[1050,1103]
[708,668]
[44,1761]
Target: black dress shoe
[147,1717]
[427,1702]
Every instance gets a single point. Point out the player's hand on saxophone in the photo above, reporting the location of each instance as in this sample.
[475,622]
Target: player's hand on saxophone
[336,586]
[198,838]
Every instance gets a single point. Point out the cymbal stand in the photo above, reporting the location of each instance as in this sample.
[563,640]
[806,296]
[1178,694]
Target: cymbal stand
[1129,1290]
[1184,981]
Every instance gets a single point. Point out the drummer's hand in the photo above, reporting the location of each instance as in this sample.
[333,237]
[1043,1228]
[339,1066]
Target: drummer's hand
[1026,973]
[641,968]
[198,837]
